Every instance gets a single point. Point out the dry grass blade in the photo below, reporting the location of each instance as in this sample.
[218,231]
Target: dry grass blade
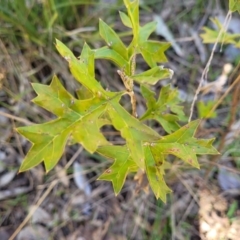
[222,142]
[206,69]
[22,120]
[42,198]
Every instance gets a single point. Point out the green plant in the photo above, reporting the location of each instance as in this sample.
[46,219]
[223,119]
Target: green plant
[232,210]
[205,108]
[80,120]
[220,34]
[19,19]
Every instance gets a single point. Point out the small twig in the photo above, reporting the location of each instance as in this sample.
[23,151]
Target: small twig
[73,158]
[215,164]
[222,142]
[206,69]
[33,209]
[234,106]
[42,198]
[19,145]
[133,62]
[22,120]
[185,39]
[141,210]
[173,221]
[128,83]
[80,30]
[133,103]
[223,96]
[191,192]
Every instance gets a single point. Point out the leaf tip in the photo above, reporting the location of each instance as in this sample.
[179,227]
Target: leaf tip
[56,42]
[21,169]
[197,166]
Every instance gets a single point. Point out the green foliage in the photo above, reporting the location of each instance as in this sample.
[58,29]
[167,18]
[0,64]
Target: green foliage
[165,110]
[205,108]
[211,36]
[79,120]
[234,5]
[232,210]
[38,22]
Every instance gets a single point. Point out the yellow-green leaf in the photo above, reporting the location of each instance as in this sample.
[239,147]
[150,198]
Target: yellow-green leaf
[132,130]
[166,110]
[133,14]
[155,175]
[112,39]
[205,108]
[79,118]
[107,53]
[125,19]
[146,30]
[153,52]
[80,70]
[234,5]
[182,144]
[122,166]
[153,75]
[211,36]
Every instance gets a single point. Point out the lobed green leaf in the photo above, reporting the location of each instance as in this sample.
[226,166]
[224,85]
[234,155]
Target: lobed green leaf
[79,118]
[211,36]
[48,142]
[155,174]
[112,39]
[133,14]
[153,75]
[80,69]
[146,31]
[166,110]
[204,108]
[110,54]
[87,58]
[234,5]
[153,52]
[125,19]
[122,166]
[64,50]
[182,144]
[132,130]
[53,98]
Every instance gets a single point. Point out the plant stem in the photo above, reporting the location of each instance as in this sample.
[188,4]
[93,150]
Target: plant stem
[128,83]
